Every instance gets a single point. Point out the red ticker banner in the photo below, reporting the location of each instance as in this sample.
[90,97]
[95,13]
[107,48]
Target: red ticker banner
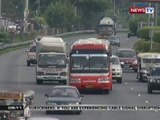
[145,0]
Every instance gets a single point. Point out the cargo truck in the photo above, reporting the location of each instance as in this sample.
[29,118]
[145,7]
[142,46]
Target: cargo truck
[51,60]
[107,27]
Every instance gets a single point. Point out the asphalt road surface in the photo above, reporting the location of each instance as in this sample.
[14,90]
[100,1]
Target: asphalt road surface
[14,74]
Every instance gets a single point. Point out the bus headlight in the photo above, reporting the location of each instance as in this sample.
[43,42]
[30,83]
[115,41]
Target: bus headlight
[75,80]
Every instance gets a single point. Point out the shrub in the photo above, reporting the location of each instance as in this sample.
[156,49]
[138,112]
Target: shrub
[144,33]
[142,46]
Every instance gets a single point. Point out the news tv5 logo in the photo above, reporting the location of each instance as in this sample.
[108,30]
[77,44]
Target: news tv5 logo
[141,10]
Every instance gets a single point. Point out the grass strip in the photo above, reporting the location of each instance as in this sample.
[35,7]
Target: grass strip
[12,49]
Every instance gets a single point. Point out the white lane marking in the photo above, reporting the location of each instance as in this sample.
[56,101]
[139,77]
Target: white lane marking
[146,101]
[139,95]
[126,83]
[156,110]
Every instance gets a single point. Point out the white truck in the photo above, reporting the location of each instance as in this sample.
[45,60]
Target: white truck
[51,60]
[106,28]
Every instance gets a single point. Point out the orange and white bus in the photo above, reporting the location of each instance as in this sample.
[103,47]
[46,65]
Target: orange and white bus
[90,65]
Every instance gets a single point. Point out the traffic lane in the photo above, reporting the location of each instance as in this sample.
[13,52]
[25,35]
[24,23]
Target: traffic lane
[27,77]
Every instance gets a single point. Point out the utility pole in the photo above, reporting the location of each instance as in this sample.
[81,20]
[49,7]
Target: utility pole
[156,13]
[0,14]
[149,16]
[26,13]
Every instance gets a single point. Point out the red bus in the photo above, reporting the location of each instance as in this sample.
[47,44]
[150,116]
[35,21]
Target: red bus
[90,65]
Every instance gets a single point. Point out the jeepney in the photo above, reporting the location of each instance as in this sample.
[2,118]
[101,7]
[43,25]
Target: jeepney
[15,105]
[145,63]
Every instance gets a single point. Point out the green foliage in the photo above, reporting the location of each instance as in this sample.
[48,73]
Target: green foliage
[60,15]
[142,46]
[133,25]
[145,32]
[4,36]
[156,37]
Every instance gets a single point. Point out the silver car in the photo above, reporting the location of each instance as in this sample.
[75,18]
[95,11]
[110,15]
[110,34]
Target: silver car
[63,95]
[116,69]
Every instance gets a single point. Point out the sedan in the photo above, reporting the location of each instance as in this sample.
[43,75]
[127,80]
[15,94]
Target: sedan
[63,95]
[114,41]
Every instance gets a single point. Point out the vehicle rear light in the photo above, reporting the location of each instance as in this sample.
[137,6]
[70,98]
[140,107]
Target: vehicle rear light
[103,80]
[40,73]
[75,80]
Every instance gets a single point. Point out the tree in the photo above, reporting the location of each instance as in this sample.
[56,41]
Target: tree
[60,15]
[91,11]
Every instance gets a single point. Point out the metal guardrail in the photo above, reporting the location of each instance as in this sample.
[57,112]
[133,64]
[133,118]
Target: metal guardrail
[63,34]
[29,41]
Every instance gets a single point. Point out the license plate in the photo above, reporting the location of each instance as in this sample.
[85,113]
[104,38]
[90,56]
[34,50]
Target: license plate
[126,66]
[89,86]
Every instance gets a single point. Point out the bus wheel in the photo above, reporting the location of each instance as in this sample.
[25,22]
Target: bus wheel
[106,91]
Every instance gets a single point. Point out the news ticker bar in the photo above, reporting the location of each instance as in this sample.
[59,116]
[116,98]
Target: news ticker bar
[82,108]
[145,0]
[11,107]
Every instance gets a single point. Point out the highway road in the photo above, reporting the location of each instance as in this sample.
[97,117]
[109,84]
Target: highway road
[14,74]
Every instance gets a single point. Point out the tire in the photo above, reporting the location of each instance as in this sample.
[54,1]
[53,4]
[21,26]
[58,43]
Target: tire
[48,112]
[28,63]
[149,89]
[106,91]
[38,82]
[119,80]
[135,70]
[128,35]
[78,112]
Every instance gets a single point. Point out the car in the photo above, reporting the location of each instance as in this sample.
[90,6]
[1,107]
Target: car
[128,58]
[131,34]
[114,41]
[116,69]
[31,55]
[63,95]
[42,118]
[154,79]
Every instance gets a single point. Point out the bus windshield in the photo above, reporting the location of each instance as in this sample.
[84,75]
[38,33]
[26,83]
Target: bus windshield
[151,60]
[89,63]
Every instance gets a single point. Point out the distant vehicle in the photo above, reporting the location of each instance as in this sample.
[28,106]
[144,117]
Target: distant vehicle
[31,55]
[63,95]
[145,62]
[128,58]
[116,69]
[154,79]
[42,118]
[106,28]
[90,65]
[114,41]
[51,60]
[131,34]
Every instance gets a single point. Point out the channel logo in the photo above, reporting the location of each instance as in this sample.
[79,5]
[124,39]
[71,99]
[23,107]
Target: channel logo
[141,10]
